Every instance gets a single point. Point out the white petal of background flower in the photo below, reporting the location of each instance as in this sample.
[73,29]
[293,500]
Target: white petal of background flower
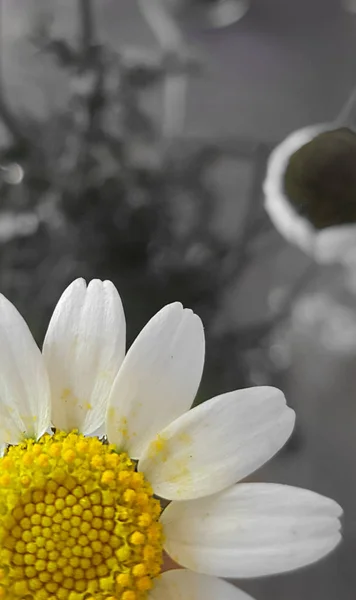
[332,244]
[24,386]
[83,350]
[291,225]
[336,244]
[217,443]
[158,379]
[180,584]
[251,530]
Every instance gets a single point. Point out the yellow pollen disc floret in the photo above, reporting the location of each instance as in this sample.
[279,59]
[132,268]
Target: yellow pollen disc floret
[76,522]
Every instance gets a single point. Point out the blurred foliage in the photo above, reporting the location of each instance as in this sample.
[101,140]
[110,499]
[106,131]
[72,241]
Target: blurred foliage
[112,198]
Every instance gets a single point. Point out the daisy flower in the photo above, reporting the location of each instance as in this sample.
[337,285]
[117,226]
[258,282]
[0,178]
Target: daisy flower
[79,517]
[310,191]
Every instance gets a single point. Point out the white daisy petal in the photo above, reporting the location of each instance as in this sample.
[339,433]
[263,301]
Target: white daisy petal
[181,584]
[251,530]
[217,443]
[83,350]
[24,386]
[158,379]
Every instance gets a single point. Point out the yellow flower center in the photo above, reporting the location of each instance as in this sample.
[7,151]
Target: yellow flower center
[76,522]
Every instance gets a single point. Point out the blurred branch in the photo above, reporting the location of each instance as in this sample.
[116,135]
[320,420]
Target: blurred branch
[86,20]
[252,215]
[162,24]
[44,42]
[168,35]
[175,93]
[6,115]
[239,255]
[90,74]
[10,121]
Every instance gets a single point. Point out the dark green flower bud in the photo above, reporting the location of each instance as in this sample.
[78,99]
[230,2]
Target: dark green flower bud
[320,179]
